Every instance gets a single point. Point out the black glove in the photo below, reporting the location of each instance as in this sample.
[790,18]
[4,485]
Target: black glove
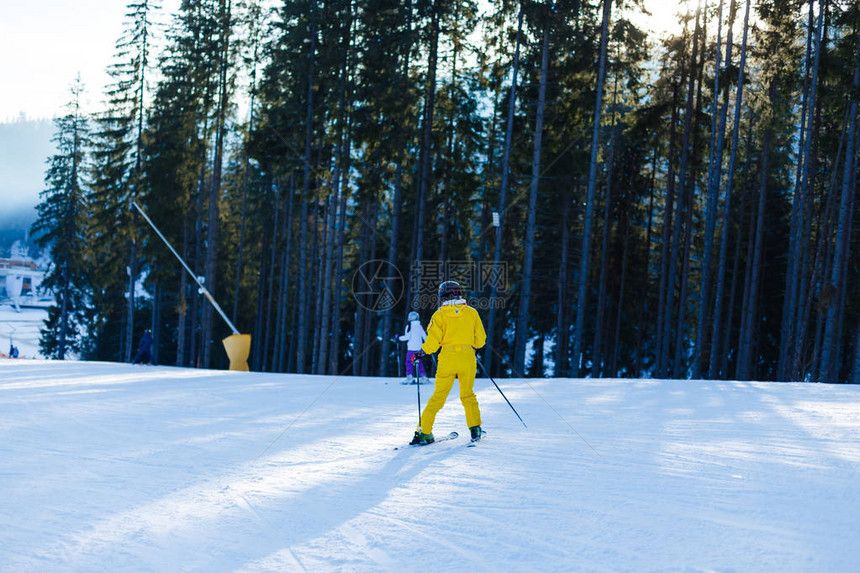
[418,356]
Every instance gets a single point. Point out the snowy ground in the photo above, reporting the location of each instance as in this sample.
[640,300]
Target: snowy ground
[22,329]
[109,467]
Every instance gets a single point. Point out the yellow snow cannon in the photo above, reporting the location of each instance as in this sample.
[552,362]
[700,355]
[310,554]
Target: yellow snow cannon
[238,347]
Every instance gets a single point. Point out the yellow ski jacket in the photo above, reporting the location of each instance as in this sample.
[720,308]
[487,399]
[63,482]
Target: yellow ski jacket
[456,327]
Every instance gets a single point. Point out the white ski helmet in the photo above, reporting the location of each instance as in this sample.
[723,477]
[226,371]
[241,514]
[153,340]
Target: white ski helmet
[413,316]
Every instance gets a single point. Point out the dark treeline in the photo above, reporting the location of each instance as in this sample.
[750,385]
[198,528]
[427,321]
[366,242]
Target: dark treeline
[614,205]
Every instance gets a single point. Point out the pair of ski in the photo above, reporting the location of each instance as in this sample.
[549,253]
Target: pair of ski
[445,438]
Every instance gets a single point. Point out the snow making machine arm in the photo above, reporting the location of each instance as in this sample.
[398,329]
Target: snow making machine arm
[237,346]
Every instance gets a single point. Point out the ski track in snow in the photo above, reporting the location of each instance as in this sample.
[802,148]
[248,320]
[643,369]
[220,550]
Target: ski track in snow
[111,467]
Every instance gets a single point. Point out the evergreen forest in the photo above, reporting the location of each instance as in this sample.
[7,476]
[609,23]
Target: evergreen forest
[614,204]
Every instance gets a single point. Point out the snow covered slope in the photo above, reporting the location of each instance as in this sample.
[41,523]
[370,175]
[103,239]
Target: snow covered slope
[109,467]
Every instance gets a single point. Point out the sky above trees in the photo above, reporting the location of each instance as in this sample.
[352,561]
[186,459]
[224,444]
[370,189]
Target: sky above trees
[45,44]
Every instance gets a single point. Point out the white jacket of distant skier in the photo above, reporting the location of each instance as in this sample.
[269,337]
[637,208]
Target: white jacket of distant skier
[414,335]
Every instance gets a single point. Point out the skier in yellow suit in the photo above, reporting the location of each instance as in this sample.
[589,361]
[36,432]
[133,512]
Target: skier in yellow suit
[455,328]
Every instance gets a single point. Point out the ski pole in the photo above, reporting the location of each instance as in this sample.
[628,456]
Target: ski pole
[399,367]
[487,374]
[418,387]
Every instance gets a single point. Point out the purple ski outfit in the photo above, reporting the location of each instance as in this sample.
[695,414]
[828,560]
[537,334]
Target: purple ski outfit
[414,337]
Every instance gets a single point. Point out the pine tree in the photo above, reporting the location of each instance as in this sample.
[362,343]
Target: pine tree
[773,105]
[384,124]
[223,56]
[117,171]
[188,112]
[61,227]
[252,56]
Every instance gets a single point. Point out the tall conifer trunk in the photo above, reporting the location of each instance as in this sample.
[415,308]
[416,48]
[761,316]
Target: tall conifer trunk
[616,336]
[260,312]
[589,195]
[396,208]
[302,287]
[789,328]
[425,165]
[318,256]
[561,338]
[341,231]
[680,206]
[643,309]
[817,265]
[270,294]
[750,318]
[302,330]
[829,370]
[714,362]
[525,293]
[131,269]
[855,373]
[718,132]
[666,235]
[728,331]
[198,250]
[182,320]
[284,300]
[246,157]
[678,370]
[215,190]
[489,357]
[597,349]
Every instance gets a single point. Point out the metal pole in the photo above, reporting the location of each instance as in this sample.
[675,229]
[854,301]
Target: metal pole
[198,280]
[487,374]
[417,387]
[399,360]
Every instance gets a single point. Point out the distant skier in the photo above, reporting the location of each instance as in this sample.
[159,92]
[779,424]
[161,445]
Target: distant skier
[144,349]
[13,351]
[455,327]
[414,336]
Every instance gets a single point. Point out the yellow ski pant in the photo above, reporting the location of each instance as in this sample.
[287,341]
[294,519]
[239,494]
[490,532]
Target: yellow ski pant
[458,362]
